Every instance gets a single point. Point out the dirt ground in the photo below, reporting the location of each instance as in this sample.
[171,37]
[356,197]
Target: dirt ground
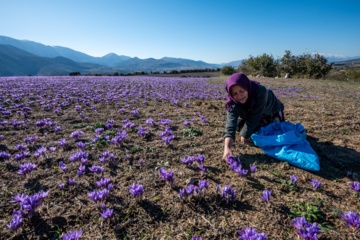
[329,111]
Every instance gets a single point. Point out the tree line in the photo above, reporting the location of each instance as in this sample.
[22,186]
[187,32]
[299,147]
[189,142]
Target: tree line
[303,66]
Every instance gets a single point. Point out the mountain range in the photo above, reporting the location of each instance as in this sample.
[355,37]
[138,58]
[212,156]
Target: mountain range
[24,57]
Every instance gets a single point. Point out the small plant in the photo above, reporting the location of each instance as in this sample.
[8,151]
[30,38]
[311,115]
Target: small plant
[135,149]
[310,212]
[191,132]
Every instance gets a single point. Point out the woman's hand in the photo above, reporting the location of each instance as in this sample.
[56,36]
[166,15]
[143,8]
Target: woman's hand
[227,153]
[227,147]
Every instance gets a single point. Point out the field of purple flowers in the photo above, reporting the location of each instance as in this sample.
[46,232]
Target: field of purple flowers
[140,158]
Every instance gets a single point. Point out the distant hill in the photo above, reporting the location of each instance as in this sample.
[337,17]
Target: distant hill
[110,62]
[17,62]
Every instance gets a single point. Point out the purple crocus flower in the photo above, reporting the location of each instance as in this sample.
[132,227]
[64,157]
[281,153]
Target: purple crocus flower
[5,155]
[16,220]
[315,183]
[182,193]
[191,189]
[196,238]
[26,168]
[203,184]
[352,219]
[61,186]
[293,179]
[76,134]
[96,169]
[200,158]
[81,170]
[107,212]
[355,186]
[72,235]
[251,233]
[104,182]
[228,194]
[71,181]
[187,123]
[150,121]
[136,190]
[166,175]
[305,229]
[81,145]
[62,142]
[62,166]
[21,147]
[202,168]
[266,195]
[252,168]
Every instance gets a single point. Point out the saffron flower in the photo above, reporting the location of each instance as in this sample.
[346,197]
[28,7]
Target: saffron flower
[293,179]
[26,168]
[251,233]
[355,186]
[136,190]
[96,169]
[200,158]
[352,219]
[266,196]
[182,193]
[62,166]
[98,195]
[167,175]
[228,194]
[150,121]
[81,145]
[16,220]
[104,182]
[305,229]
[76,134]
[72,235]
[315,183]
[196,238]
[40,152]
[81,170]
[5,155]
[106,212]
[62,142]
[61,186]
[252,168]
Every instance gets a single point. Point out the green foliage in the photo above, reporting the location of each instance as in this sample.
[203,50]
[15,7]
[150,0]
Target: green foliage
[80,125]
[264,65]
[228,70]
[307,65]
[191,132]
[310,212]
[135,149]
[353,75]
[110,133]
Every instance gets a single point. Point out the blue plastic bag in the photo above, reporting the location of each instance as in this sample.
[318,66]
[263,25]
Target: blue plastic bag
[286,141]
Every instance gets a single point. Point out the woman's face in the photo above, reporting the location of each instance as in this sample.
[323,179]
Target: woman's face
[239,94]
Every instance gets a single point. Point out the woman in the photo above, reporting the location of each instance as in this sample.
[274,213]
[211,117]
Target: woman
[249,106]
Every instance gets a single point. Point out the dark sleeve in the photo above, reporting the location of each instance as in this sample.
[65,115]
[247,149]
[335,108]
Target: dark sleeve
[232,119]
[254,117]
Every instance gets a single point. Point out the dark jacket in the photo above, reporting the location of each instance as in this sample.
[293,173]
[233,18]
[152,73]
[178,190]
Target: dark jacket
[266,104]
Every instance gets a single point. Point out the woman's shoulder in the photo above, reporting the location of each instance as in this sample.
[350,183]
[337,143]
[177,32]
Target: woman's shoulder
[261,90]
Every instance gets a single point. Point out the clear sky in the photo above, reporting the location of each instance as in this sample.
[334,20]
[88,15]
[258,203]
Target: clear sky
[214,31]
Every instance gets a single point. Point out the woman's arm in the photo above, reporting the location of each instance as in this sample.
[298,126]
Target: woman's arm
[228,142]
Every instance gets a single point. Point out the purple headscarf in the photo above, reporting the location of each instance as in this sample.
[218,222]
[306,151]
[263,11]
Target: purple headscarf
[243,81]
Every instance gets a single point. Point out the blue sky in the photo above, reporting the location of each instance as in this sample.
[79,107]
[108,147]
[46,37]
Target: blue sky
[214,31]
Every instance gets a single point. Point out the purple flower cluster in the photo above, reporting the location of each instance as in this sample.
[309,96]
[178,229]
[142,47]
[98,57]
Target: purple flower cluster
[305,229]
[40,152]
[16,220]
[118,139]
[150,121]
[315,183]
[266,196]
[72,235]
[98,195]
[77,134]
[352,219]
[106,212]
[79,156]
[251,234]
[227,193]
[106,156]
[105,183]
[167,175]
[96,169]
[136,190]
[167,135]
[236,166]
[5,155]
[294,179]
[142,131]
[62,165]
[29,140]
[199,159]
[355,186]
[29,203]
[26,168]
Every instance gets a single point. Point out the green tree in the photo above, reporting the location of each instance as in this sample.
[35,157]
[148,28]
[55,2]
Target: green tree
[228,70]
[264,65]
